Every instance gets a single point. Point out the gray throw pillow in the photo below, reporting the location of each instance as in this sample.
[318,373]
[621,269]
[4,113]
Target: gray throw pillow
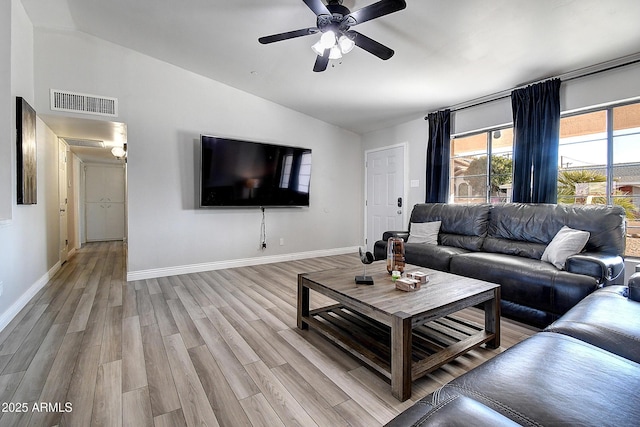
[565,243]
[424,232]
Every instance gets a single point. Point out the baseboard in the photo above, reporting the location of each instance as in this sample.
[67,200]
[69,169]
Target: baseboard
[246,262]
[24,299]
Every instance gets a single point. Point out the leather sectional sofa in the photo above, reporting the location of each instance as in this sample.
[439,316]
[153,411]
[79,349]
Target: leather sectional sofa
[504,243]
[584,369]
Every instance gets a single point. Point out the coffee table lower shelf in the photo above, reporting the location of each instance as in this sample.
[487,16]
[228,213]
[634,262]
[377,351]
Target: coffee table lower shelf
[433,344]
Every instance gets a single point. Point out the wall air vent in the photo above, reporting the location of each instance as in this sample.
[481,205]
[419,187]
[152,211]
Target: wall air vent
[83,103]
[75,142]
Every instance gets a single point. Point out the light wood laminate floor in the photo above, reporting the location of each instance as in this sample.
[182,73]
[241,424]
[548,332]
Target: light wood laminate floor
[206,349]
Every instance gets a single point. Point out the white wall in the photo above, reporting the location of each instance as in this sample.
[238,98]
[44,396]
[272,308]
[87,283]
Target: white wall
[29,241]
[606,87]
[415,134]
[166,109]
[611,86]
[76,219]
[5,111]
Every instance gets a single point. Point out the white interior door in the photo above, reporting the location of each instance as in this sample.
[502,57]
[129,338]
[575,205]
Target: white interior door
[385,180]
[63,185]
[104,202]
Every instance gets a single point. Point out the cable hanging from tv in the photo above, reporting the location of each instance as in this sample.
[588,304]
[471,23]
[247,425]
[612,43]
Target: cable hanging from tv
[263,231]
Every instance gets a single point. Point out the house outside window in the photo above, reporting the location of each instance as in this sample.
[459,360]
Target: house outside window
[481,167]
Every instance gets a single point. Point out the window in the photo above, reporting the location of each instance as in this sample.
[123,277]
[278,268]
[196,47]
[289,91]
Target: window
[301,169]
[286,171]
[599,163]
[304,174]
[474,179]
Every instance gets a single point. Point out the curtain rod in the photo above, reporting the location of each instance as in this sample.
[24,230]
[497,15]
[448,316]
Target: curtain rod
[571,75]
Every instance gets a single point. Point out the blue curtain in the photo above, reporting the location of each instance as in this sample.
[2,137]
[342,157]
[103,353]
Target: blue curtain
[536,135]
[438,150]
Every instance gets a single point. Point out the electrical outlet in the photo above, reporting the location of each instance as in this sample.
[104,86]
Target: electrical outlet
[282,241]
[1,288]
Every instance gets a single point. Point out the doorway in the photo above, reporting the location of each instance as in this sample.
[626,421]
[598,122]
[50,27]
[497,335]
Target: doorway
[63,199]
[385,191]
[104,201]
[88,142]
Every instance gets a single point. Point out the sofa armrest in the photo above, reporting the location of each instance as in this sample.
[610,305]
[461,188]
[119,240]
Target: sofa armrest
[403,234]
[459,410]
[608,269]
[634,287]
[380,247]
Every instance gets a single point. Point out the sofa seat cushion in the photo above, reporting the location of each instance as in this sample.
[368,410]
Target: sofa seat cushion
[606,319]
[431,256]
[513,247]
[529,282]
[552,379]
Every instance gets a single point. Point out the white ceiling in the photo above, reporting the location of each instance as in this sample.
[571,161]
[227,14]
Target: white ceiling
[446,52]
[112,134]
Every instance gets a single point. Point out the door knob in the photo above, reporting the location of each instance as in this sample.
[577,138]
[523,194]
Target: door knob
[399,211]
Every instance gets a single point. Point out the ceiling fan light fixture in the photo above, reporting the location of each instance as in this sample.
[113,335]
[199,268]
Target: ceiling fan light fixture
[334,21]
[335,53]
[118,152]
[318,48]
[328,39]
[346,44]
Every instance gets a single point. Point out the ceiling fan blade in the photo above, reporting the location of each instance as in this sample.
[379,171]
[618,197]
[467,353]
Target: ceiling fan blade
[376,10]
[317,6]
[322,62]
[288,35]
[372,46]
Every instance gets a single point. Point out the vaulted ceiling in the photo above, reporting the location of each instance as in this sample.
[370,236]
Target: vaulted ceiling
[446,52]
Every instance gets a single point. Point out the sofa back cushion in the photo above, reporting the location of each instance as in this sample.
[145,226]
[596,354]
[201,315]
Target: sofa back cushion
[462,226]
[526,229]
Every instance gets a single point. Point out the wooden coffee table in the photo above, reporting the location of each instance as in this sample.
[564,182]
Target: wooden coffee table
[402,335]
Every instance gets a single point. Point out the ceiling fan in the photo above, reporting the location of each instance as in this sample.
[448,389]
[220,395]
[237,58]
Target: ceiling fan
[334,21]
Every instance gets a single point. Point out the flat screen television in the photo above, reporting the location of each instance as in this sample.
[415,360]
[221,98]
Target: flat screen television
[236,173]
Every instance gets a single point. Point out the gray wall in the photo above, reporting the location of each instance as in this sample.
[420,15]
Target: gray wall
[598,89]
[415,134]
[166,109]
[5,111]
[29,239]
[595,90]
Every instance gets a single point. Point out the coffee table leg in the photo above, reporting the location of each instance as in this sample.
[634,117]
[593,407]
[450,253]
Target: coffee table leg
[401,342]
[492,318]
[303,302]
